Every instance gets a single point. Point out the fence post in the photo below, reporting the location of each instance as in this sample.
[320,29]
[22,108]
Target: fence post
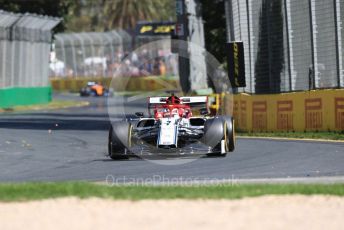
[286,18]
[75,72]
[3,65]
[336,4]
[111,57]
[249,43]
[315,71]
[229,20]
[63,49]
[77,35]
[12,59]
[91,44]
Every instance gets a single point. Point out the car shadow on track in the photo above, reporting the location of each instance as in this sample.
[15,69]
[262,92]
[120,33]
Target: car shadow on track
[154,158]
[60,121]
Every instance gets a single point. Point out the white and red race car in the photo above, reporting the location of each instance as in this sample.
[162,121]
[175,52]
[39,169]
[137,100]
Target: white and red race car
[172,128]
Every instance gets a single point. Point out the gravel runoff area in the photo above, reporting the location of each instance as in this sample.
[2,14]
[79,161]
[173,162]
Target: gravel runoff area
[266,212]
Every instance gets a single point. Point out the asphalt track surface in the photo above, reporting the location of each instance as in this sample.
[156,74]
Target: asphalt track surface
[71,144]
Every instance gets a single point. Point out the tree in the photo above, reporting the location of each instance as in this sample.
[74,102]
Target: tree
[54,8]
[213,13]
[95,15]
[85,16]
[126,13]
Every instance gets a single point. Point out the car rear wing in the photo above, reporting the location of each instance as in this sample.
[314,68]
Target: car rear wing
[184,100]
[199,100]
[157,100]
[193,101]
[196,103]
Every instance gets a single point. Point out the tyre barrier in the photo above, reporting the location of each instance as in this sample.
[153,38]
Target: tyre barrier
[151,83]
[316,110]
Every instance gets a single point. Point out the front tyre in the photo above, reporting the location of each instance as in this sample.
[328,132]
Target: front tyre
[230,133]
[214,133]
[217,131]
[119,140]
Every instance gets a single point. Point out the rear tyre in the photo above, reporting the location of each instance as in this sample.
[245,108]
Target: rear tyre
[93,93]
[119,140]
[83,93]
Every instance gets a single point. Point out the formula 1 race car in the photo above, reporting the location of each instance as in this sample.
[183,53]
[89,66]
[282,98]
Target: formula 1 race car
[94,89]
[172,127]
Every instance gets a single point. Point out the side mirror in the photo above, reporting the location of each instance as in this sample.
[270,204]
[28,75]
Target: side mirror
[139,114]
[203,111]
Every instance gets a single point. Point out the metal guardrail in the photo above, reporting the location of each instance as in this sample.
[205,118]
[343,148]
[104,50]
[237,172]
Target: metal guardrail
[25,42]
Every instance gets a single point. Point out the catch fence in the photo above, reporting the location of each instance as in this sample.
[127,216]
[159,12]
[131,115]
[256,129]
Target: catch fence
[290,45]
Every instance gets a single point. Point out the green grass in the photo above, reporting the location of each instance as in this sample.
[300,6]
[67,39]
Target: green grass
[55,104]
[302,135]
[143,94]
[37,191]
[137,93]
